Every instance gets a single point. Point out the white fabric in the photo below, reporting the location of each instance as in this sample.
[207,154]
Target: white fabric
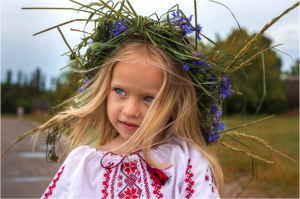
[83,176]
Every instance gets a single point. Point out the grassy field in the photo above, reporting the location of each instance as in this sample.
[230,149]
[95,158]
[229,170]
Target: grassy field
[280,179]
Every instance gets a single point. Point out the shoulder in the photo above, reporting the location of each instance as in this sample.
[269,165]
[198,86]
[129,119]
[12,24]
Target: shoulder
[180,149]
[80,153]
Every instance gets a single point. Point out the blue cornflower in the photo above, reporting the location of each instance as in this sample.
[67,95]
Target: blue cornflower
[210,80]
[196,54]
[90,74]
[215,110]
[225,86]
[207,64]
[213,136]
[187,67]
[199,28]
[85,81]
[177,20]
[199,62]
[120,27]
[187,29]
[81,89]
[90,41]
[217,124]
[222,126]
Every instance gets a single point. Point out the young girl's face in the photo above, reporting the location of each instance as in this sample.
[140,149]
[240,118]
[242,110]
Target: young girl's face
[132,90]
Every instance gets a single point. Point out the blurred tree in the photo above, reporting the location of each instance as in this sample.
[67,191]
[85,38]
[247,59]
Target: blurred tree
[8,77]
[37,82]
[18,94]
[249,81]
[19,80]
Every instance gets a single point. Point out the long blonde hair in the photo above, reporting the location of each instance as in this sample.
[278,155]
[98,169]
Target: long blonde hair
[90,123]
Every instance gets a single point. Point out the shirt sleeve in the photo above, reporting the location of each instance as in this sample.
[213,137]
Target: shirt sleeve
[198,181]
[60,185]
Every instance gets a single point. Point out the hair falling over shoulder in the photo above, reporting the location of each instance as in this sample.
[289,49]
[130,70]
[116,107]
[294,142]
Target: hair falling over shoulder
[178,95]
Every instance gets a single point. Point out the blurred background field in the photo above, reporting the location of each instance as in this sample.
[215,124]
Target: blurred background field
[278,180]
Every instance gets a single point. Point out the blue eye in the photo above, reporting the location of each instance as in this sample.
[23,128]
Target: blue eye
[120,91]
[149,99]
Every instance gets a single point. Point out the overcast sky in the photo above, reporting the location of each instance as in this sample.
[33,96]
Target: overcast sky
[22,51]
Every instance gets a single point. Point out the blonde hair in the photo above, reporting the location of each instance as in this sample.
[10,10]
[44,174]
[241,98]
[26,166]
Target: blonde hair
[177,95]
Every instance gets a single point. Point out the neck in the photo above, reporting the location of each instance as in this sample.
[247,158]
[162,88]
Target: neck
[119,140]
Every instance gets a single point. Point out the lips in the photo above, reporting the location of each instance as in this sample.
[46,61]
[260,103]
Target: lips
[129,125]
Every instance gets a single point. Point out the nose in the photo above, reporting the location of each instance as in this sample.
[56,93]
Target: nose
[131,108]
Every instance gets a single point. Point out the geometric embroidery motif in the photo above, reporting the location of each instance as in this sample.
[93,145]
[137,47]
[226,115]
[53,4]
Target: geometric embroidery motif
[106,180]
[209,177]
[113,182]
[128,181]
[145,181]
[51,187]
[189,180]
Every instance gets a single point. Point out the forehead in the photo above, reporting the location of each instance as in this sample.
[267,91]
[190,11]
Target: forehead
[137,76]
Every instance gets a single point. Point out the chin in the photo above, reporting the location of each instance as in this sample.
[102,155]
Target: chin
[126,136]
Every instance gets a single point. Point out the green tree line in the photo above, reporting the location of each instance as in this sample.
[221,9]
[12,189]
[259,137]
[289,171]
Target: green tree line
[26,92]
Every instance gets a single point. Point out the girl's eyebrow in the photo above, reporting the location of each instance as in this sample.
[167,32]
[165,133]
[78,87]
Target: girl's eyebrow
[148,93]
[117,85]
[152,92]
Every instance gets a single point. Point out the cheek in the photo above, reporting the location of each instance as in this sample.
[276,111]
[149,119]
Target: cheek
[112,109]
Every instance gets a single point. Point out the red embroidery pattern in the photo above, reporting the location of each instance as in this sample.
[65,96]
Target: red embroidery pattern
[157,188]
[212,184]
[126,179]
[113,182]
[206,178]
[131,178]
[188,180]
[145,181]
[51,187]
[130,193]
[106,180]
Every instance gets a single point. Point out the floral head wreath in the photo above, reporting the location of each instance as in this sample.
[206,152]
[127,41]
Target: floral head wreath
[169,33]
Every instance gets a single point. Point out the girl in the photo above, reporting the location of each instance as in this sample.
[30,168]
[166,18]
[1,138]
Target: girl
[139,98]
[148,109]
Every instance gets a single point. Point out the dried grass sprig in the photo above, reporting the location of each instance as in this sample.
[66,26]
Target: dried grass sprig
[239,150]
[244,125]
[73,61]
[245,63]
[258,140]
[249,45]
[227,49]
[20,138]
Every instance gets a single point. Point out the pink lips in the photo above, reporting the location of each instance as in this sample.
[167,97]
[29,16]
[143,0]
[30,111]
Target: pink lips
[128,127]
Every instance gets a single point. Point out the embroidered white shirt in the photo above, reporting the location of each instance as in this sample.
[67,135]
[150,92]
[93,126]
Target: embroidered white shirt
[90,173]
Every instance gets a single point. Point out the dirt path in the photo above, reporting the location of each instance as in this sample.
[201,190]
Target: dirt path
[24,174]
